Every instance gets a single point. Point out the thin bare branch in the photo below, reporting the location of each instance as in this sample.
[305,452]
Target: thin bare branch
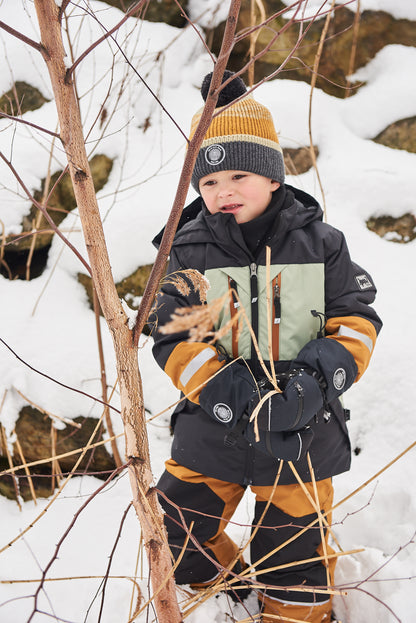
[34,44]
[28,123]
[67,531]
[106,35]
[74,389]
[45,213]
[187,168]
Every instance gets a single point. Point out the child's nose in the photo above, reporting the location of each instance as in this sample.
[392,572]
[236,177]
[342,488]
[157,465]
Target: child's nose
[225,190]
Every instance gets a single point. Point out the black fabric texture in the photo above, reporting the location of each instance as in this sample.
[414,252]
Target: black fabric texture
[277,527]
[226,396]
[294,407]
[259,231]
[281,445]
[194,566]
[331,360]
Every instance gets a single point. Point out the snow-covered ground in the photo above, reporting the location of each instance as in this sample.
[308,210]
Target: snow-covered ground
[48,323]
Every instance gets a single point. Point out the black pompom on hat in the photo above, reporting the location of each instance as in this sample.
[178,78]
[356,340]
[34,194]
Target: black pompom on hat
[232,91]
[242,137]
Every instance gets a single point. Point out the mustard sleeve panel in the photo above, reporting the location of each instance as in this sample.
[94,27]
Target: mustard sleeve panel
[357,335]
[190,366]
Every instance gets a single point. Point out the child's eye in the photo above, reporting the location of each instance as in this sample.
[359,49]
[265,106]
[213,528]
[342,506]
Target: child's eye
[209,183]
[239,176]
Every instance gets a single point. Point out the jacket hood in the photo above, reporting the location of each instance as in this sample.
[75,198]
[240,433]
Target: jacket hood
[299,209]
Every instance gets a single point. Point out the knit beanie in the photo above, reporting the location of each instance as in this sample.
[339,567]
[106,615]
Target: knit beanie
[241,137]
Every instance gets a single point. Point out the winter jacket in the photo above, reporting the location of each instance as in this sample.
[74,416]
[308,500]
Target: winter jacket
[315,290]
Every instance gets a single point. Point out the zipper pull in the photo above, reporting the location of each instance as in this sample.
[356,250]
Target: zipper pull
[233,286]
[277,305]
[253,279]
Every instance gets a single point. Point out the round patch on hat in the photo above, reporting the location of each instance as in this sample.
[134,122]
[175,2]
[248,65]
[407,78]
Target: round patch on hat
[222,412]
[215,154]
[339,378]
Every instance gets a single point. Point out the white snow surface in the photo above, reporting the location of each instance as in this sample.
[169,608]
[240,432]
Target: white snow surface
[400,9]
[48,324]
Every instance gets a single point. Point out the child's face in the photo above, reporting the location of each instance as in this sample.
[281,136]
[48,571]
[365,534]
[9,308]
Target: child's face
[245,195]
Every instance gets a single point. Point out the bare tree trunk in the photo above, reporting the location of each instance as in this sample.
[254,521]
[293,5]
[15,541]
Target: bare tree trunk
[132,407]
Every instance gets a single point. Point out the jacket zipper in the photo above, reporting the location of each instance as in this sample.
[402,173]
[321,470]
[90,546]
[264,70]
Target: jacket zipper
[254,292]
[234,305]
[300,391]
[277,314]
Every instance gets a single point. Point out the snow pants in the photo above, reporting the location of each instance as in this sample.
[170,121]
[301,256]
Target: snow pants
[287,553]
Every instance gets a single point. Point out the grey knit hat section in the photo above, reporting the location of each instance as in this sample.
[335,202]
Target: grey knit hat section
[239,156]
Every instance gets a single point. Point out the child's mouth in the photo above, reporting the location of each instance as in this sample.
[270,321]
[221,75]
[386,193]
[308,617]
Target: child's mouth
[231,208]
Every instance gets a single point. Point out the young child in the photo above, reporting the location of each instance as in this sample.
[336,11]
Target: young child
[322,334]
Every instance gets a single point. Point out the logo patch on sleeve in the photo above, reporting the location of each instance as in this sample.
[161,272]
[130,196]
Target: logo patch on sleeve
[363,282]
[339,379]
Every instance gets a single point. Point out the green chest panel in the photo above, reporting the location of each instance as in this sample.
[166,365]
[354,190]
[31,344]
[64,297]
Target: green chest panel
[301,290]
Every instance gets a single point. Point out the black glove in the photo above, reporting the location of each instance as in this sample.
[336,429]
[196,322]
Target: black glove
[333,363]
[290,410]
[226,396]
[286,446]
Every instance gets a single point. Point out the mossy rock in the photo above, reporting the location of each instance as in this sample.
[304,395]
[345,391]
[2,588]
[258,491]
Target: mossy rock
[33,430]
[60,203]
[130,288]
[401,229]
[21,98]
[399,135]
[298,161]
[376,29]
[164,11]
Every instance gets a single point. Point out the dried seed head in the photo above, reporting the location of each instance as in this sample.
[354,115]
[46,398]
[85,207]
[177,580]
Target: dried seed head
[199,320]
[184,280]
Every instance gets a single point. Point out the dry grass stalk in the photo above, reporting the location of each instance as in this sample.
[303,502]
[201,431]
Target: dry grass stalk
[322,520]
[38,220]
[10,462]
[303,588]
[136,586]
[196,599]
[315,505]
[166,579]
[58,492]
[199,320]
[254,35]
[25,466]
[56,468]
[16,468]
[266,508]
[48,413]
[313,83]
[256,411]
[220,584]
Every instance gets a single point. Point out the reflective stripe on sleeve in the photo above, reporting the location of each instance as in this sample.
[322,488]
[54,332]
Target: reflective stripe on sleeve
[195,364]
[344,331]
